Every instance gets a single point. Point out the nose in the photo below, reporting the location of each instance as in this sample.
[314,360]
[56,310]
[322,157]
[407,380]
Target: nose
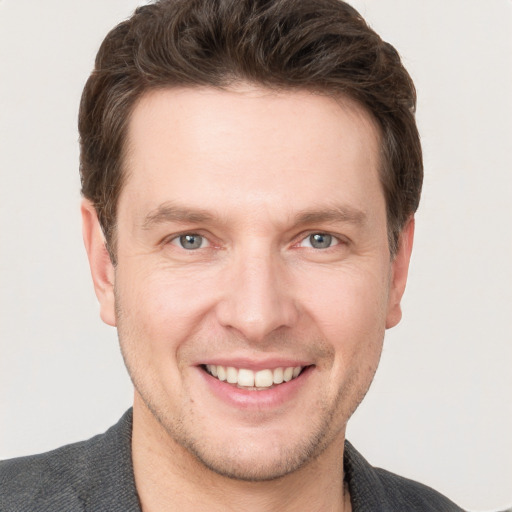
[257,299]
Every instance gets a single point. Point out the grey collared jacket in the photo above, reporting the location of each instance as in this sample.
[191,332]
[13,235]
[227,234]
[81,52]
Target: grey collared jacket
[97,476]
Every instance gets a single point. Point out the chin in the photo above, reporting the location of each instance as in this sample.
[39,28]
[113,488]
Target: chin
[252,454]
[256,461]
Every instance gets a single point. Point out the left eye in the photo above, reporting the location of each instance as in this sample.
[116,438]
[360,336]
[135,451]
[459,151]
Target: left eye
[319,241]
[190,241]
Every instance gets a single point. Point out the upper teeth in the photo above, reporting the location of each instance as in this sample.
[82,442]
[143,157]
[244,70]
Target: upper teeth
[251,379]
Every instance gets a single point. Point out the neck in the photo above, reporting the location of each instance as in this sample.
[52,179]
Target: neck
[168,478]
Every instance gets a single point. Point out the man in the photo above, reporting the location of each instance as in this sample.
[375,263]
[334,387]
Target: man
[250,172]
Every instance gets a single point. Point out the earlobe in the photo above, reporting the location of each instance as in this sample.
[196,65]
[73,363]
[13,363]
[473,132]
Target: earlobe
[399,272]
[102,269]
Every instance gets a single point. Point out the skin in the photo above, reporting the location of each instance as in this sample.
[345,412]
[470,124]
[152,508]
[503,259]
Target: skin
[255,173]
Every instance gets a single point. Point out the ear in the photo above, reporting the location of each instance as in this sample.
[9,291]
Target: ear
[399,271]
[102,269]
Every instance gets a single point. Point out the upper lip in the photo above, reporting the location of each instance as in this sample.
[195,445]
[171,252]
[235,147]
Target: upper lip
[256,364]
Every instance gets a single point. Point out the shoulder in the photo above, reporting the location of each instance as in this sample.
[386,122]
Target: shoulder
[412,495]
[49,477]
[377,489]
[71,477]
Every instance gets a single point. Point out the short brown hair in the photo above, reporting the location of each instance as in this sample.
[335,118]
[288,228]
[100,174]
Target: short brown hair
[321,45]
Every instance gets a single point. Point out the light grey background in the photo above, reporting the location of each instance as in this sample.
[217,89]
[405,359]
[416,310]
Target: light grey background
[440,409]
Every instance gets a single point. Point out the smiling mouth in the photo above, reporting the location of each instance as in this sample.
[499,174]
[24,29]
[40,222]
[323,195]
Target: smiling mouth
[253,380]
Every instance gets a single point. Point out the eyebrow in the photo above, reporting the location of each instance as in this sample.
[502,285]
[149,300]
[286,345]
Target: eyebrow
[168,212]
[342,214]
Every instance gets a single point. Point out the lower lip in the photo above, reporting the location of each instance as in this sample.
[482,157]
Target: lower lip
[256,399]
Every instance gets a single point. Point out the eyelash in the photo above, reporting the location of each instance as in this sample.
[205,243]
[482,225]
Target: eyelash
[177,240]
[329,236]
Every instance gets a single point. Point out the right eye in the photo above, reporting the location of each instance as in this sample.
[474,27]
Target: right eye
[190,241]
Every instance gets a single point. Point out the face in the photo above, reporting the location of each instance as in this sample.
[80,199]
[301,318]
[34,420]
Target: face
[254,280]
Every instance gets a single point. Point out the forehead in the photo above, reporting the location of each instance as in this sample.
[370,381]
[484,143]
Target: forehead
[249,146]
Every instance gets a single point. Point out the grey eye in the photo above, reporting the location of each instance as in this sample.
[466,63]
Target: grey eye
[320,240]
[191,241]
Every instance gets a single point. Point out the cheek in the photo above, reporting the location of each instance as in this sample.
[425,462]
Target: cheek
[160,306]
[349,308]
[351,299]
[154,318]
